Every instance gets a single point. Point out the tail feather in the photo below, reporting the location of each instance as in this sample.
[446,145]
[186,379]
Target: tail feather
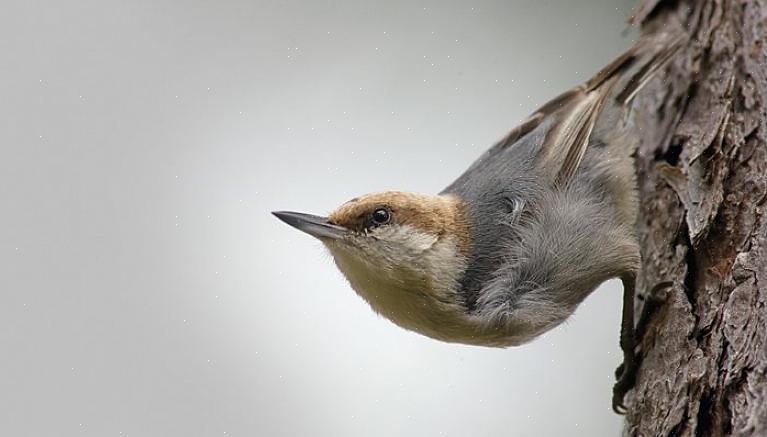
[648,71]
[576,112]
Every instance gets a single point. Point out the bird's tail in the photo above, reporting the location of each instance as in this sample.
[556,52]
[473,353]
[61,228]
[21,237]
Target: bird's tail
[573,115]
[658,55]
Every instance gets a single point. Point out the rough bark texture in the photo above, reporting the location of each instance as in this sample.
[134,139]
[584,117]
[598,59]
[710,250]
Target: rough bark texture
[703,225]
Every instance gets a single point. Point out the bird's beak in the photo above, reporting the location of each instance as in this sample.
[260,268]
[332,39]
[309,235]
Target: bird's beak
[313,225]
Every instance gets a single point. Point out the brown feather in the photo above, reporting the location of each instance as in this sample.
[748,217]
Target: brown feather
[576,111]
[442,216]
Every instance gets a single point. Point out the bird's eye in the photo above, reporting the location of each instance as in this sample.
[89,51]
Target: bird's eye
[381,216]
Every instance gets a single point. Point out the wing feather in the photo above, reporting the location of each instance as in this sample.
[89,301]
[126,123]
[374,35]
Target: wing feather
[576,111]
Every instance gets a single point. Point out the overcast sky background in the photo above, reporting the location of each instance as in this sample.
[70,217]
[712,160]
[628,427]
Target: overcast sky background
[145,290]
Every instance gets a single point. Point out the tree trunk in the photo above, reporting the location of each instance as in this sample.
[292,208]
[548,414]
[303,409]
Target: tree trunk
[702,169]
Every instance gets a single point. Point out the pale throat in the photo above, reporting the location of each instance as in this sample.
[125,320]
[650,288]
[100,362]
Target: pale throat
[409,277]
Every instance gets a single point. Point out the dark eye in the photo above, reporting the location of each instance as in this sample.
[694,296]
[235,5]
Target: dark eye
[381,216]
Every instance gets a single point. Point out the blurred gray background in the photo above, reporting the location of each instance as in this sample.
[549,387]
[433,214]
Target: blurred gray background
[145,290]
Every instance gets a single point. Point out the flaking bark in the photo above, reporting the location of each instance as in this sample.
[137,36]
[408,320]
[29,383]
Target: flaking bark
[702,168]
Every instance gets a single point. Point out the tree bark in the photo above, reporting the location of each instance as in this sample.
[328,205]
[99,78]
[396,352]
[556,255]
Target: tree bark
[702,168]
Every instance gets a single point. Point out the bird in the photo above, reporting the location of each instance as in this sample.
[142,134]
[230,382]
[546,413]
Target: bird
[510,249]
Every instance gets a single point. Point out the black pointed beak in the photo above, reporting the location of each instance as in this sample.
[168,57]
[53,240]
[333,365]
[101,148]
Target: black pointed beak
[313,225]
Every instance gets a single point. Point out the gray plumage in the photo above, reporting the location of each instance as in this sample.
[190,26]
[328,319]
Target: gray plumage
[553,206]
[519,240]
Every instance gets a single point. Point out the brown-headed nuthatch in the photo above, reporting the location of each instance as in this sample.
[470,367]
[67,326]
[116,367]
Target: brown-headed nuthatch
[510,249]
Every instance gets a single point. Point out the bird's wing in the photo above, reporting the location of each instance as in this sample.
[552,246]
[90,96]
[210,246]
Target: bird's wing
[575,112]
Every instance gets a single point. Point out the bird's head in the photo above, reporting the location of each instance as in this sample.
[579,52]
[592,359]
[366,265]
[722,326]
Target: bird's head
[404,253]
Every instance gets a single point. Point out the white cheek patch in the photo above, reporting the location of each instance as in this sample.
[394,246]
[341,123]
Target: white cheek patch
[408,276]
[395,254]
[404,238]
